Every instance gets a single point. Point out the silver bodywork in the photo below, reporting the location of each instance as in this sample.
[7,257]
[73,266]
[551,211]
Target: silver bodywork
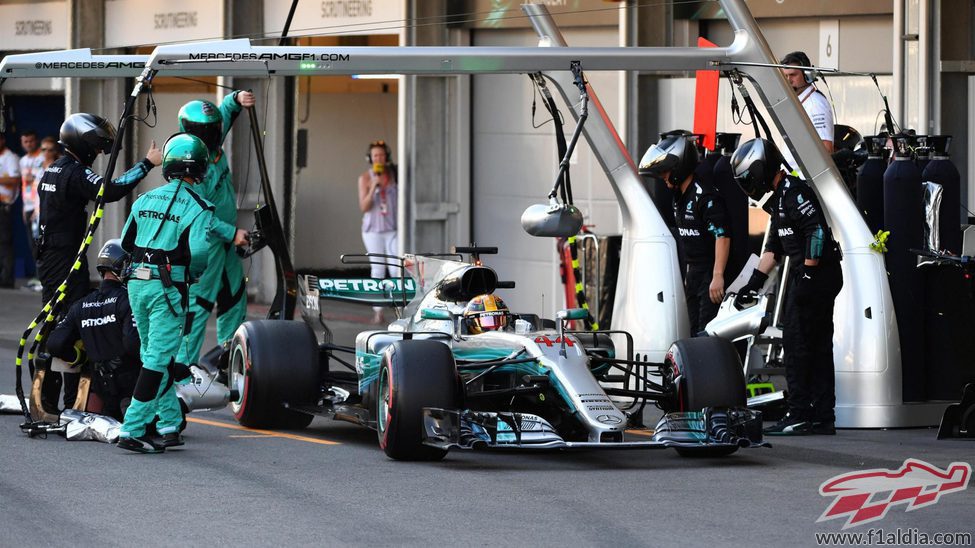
[558,356]
[649,300]
[568,363]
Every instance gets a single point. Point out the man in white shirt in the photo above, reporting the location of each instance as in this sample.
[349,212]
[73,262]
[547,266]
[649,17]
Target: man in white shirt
[9,190]
[31,169]
[817,107]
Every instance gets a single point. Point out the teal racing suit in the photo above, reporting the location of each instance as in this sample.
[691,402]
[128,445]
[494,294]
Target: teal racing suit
[167,234]
[222,284]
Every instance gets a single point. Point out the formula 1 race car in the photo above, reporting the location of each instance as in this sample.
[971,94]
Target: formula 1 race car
[427,385]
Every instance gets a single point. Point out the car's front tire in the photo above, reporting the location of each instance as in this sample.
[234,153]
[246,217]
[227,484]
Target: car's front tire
[413,375]
[707,373]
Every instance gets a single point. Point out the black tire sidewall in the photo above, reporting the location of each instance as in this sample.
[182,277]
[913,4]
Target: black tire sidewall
[420,374]
[711,373]
[280,365]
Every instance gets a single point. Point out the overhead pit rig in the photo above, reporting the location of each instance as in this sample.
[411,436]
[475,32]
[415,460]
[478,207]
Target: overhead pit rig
[649,299]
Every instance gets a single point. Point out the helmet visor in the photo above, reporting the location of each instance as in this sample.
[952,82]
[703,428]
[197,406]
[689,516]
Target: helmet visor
[750,185]
[492,321]
[657,161]
[210,133]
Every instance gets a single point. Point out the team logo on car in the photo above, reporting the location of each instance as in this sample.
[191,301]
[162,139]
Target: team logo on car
[609,419]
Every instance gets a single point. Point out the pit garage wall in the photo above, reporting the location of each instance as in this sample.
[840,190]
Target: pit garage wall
[514,165]
[340,127]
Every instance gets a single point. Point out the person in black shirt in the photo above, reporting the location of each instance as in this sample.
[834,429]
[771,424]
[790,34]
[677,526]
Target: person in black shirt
[103,322]
[798,230]
[703,228]
[64,191]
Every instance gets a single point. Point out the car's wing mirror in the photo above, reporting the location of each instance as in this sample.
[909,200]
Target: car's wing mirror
[572,314]
[435,314]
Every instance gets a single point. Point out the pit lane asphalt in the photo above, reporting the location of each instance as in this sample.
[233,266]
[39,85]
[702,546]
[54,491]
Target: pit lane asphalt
[330,484]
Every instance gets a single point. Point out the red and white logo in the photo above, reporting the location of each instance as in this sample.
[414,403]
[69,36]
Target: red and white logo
[865,496]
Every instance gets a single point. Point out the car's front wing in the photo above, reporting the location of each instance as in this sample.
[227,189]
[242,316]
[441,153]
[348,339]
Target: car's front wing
[465,429]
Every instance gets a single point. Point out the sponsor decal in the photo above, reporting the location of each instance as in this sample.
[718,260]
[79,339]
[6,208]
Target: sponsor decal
[36,27]
[346,8]
[689,232]
[367,289]
[95,322]
[91,65]
[95,304]
[174,20]
[609,419]
[865,496]
[238,56]
[785,232]
[364,284]
[158,215]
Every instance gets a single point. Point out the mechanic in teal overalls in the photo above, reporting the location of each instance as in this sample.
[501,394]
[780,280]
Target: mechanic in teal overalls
[222,283]
[167,235]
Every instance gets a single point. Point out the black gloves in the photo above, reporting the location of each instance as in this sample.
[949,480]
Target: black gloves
[749,292]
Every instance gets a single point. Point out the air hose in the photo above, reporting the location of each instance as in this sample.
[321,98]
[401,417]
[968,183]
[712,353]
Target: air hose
[45,319]
[564,186]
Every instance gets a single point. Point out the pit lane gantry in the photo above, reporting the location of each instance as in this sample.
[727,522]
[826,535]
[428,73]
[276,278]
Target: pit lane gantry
[649,300]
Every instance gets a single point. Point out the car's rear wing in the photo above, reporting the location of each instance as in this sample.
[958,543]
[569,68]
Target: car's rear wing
[386,292]
[376,292]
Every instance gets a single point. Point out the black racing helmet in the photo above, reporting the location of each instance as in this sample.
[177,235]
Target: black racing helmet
[203,119]
[755,164]
[675,153]
[185,155]
[112,258]
[86,136]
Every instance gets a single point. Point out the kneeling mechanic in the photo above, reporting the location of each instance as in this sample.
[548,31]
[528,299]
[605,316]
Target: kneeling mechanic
[100,327]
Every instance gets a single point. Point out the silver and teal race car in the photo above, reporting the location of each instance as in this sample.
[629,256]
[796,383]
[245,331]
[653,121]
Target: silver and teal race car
[427,385]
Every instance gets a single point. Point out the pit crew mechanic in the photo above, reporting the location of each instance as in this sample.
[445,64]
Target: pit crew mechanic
[813,101]
[64,192]
[168,235]
[703,227]
[222,283]
[798,230]
[102,322]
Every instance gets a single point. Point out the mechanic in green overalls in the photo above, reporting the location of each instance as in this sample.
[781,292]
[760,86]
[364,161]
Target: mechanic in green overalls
[167,235]
[222,284]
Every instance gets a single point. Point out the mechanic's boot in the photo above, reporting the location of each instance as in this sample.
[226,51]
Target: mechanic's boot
[790,425]
[823,428]
[142,444]
[172,439]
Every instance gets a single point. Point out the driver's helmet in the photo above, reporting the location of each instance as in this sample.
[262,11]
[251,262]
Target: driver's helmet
[486,313]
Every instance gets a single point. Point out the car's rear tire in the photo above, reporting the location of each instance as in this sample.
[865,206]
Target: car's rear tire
[272,362]
[709,374]
[414,374]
